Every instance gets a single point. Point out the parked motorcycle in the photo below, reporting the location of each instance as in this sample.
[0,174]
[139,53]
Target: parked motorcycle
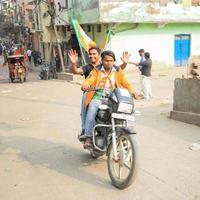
[44,71]
[113,136]
[52,70]
[48,71]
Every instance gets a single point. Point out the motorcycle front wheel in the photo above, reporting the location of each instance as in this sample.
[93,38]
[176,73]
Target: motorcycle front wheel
[123,171]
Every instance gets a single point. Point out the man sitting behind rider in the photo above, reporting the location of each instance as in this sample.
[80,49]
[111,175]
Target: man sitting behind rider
[106,76]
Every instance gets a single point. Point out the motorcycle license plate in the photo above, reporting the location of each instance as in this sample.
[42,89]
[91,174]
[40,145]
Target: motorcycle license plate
[123,116]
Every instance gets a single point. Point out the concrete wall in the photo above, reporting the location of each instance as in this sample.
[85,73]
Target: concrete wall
[147,11]
[25,9]
[62,14]
[157,39]
[85,11]
[187,95]
[186,105]
[134,11]
[48,34]
[195,43]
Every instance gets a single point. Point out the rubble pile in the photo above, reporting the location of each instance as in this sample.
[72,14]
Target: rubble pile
[194,65]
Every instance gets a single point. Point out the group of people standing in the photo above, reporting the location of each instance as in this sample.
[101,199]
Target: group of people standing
[102,72]
[9,48]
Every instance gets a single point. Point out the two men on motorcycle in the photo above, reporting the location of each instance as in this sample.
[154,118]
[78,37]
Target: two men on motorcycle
[95,60]
[106,76]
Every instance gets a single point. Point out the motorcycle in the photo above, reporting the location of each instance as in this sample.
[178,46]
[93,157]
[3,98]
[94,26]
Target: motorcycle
[44,71]
[47,71]
[52,70]
[113,136]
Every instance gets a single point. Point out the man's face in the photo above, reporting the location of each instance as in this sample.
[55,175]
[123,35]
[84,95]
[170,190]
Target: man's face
[141,54]
[94,56]
[108,62]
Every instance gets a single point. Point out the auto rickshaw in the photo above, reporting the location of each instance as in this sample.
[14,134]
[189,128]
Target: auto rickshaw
[17,68]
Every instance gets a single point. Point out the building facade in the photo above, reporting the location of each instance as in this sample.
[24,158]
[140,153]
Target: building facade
[168,29]
[7,13]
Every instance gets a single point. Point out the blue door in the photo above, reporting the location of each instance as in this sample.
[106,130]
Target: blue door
[182,49]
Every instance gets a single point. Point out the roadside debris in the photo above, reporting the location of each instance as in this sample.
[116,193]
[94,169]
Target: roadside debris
[195,146]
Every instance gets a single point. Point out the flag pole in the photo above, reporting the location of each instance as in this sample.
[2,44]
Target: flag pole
[106,39]
[83,57]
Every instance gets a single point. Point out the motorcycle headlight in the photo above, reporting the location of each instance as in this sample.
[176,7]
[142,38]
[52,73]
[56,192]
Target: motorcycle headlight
[125,108]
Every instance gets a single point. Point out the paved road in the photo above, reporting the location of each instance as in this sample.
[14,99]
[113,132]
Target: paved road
[40,157]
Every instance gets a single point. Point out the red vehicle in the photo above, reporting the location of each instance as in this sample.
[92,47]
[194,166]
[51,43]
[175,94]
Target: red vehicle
[17,68]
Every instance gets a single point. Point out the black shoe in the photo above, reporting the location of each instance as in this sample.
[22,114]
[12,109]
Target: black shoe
[87,143]
[82,137]
[82,132]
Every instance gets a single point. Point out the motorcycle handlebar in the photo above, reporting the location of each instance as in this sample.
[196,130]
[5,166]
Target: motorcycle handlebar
[93,89]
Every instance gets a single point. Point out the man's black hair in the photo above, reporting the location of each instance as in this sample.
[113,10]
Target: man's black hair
[108,53]
[147,55]
[141,51]
[95,48]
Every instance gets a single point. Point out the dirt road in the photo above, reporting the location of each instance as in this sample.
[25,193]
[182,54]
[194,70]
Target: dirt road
[41,158]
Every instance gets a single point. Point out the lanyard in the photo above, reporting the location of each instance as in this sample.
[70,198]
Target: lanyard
[103,81]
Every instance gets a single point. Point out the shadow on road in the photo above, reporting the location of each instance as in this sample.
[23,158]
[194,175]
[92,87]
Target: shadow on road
[155,118]
[55,156]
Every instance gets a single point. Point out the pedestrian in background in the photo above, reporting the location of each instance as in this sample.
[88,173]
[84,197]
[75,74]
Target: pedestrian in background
[145,68]
[5,56]
[141,53]
[139,65]
[1,48]
[57,61]
[29,52]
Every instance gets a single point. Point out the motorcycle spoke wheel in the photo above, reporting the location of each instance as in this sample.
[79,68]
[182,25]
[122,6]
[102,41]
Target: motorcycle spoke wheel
[123,171]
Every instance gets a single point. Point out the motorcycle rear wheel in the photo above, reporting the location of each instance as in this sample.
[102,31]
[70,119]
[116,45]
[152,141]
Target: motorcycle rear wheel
[124,171]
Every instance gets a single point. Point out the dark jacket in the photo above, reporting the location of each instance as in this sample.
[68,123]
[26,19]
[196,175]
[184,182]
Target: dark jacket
[146,67]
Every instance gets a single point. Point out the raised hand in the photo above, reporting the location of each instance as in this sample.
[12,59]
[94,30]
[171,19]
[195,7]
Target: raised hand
[85,87]
[125,57]
[73,56]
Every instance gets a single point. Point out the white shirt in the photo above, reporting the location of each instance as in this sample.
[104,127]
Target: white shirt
[112,77]
[29,52]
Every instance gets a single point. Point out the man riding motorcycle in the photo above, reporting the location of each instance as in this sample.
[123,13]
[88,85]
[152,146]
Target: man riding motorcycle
[106,76]
[95,60]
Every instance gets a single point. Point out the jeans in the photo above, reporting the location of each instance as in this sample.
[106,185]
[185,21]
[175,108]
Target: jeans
[83,111]
[90,116]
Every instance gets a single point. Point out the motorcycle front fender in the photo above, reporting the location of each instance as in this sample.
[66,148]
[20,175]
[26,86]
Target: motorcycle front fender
[128,130]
